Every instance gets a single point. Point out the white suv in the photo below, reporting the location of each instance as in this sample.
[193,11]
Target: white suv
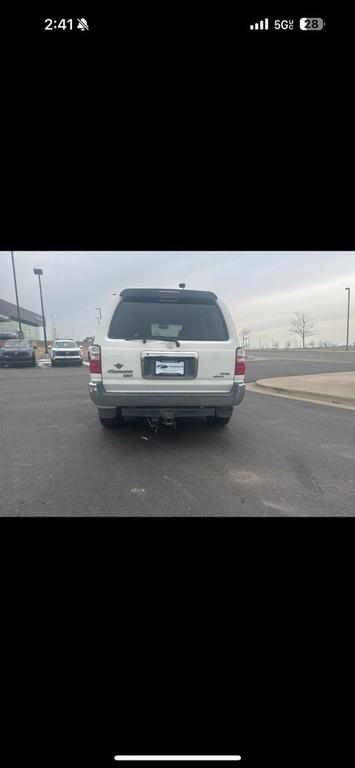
[66,351]
[163,354]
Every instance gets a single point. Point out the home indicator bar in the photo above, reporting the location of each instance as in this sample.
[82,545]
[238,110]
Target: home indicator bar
[178,758]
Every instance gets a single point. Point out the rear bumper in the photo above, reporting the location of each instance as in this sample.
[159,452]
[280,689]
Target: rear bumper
[68,359]
[16,360]
[113,400]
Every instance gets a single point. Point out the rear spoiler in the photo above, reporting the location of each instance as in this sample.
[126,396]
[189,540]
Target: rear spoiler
[168,294]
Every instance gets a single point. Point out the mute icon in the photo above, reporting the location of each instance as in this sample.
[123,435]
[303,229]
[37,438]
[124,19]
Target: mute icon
[82,24]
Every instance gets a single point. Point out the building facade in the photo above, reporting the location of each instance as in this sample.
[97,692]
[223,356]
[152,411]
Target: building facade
[30,321]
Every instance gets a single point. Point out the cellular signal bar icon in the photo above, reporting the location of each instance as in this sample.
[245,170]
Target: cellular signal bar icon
[262,24]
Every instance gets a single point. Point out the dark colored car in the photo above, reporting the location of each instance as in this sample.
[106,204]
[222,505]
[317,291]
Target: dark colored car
[6,332]
[17,352]
[5,335]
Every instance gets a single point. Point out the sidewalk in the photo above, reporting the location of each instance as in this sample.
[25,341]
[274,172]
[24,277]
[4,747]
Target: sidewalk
[336,388]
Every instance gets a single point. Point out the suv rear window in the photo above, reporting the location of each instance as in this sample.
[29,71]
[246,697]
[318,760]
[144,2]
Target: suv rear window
[160,320]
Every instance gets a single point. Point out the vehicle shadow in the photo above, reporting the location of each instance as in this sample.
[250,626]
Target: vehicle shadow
[192,432]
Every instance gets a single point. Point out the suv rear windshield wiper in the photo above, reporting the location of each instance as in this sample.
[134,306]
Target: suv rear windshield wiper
[152,338]
[163,338]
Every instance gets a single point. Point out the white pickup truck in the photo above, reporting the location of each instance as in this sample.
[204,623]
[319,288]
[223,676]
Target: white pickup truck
[66,351]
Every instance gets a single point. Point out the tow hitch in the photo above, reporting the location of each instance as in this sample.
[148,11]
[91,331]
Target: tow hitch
[167,418]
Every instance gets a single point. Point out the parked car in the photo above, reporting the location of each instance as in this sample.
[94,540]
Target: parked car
[66,351]
[165,354]
[6,332]
[15,352]
[4,335]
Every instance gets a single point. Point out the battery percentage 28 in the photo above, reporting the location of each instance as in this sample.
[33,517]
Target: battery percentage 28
[311,24]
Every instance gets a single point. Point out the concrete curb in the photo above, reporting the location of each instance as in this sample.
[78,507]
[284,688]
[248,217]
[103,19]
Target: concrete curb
[300,393]
[255,359]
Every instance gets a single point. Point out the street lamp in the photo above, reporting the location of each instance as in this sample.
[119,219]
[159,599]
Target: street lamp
[99,310]
[348,320]
[20,333]
[39,272]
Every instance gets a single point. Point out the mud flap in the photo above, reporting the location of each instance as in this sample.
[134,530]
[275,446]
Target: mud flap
[107,413]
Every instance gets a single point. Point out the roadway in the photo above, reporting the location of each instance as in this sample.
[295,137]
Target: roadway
[276,457]
[297,363]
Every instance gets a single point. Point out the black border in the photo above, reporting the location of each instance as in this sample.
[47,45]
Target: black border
[226,635]
[147,636]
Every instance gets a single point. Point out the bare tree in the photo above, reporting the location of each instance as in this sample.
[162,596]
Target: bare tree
[302,325]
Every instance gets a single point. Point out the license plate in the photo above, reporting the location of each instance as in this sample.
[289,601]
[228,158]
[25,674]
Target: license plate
[169,367]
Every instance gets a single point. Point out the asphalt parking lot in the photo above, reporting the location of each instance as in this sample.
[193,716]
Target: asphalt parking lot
[270,363]
[276,457]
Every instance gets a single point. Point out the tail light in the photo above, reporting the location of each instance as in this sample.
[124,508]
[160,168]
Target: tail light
[240,366]
[95,359]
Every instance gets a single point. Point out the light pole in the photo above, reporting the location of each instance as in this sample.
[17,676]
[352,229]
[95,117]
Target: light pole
[18,306]
[348,320]
[39,272]
[99,310]
[98,319]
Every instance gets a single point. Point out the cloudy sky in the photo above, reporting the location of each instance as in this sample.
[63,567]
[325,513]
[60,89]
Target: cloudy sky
[262,289]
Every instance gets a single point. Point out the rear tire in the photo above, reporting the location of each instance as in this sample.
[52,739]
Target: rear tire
[222,421]
[112,423]
[219,421]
